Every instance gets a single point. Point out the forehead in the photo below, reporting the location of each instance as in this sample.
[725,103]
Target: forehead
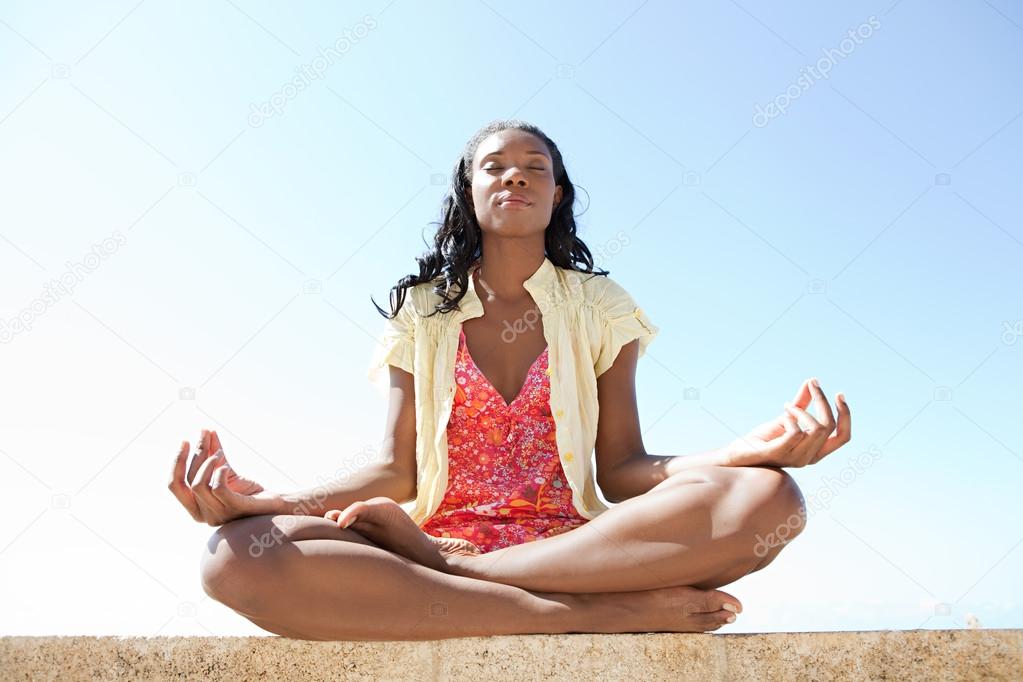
[511,142]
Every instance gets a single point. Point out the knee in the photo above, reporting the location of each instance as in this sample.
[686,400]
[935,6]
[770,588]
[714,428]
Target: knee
[775,502]
[236,560]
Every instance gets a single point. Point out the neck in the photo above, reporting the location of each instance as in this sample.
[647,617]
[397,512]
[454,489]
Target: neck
[504,267]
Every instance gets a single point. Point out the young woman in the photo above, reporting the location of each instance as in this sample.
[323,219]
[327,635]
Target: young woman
[510,360]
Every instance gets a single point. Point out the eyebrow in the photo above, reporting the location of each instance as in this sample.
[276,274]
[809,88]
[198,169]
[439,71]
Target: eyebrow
[501,153]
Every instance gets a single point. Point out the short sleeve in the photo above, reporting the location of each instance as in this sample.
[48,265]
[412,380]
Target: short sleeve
[396,343]
[622,321]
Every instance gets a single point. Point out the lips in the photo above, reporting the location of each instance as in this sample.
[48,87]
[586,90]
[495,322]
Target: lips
[514,200]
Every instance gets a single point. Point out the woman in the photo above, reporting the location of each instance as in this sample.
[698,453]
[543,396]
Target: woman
[510,360]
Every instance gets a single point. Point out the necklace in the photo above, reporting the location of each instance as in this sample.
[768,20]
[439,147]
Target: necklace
[479,275]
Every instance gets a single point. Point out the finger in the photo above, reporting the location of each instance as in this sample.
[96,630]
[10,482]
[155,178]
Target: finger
[807,449]
[228,498]
[770,429]
[824,414]
[793,435]
[332,514]
[791,427]
[803,396]
[843,432]
[786,446]
[215,443]
[201,453]
[177,483]
[803,418]
[201,486]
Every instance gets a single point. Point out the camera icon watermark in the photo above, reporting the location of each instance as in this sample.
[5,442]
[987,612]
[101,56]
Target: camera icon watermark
[187,179]
[690,393]
[438,179]
[186,393]
[1011,331]
[438,608]
[943,179]
[312,286]
[61,71]
[943,393]
[565,71]
[60,501]
[691,179]
[817,286]
[186,609]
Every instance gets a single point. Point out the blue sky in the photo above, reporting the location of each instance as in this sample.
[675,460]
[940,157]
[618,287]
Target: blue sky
[219,234]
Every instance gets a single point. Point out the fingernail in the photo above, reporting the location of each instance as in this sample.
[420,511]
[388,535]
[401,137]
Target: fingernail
[730,619]
[816,383]
[350,522]
[730,607]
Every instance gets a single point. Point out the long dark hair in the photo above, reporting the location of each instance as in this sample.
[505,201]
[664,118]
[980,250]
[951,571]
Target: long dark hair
[458,243]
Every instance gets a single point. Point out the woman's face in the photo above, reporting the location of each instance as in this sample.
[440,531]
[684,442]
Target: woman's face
[513,162]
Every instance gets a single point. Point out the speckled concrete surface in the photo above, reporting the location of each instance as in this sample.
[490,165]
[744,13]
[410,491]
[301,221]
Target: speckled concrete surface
[876,655]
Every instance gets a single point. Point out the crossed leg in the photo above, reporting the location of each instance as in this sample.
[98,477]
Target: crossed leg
[649,564]
[704,527]
[304,577]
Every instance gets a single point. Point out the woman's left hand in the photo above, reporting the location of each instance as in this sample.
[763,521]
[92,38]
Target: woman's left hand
[796,438]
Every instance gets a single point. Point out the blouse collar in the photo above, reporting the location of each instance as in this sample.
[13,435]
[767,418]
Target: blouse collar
[538,285]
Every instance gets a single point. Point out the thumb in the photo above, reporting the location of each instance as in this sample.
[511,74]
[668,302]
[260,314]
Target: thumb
[222,491]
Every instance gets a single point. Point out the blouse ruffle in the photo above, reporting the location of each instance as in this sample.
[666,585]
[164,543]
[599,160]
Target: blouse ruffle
[621,321]
[396,344]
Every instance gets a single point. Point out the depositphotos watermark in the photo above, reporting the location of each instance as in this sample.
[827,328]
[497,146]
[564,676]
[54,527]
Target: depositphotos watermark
[64,285]
[316,497]
[815,72]
[818,500]
[312,71]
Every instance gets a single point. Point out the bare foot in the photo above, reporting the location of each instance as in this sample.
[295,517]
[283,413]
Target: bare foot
[383,521]
[667,609]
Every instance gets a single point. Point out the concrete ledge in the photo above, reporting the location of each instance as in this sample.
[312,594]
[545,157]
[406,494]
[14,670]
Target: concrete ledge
[883,654]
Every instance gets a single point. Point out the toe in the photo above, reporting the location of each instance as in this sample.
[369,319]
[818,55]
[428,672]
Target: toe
[708,622]
[345,516]
[721,600]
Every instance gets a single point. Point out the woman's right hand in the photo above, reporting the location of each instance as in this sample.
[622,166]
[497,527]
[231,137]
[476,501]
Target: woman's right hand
[229,497]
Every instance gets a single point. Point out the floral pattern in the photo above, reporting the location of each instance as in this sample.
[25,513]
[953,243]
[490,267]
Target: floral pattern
[506,485]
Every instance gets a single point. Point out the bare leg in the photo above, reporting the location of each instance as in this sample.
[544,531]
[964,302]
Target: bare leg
[304,577]
[704,527]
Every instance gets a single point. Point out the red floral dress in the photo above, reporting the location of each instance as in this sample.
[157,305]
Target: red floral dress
[505,481]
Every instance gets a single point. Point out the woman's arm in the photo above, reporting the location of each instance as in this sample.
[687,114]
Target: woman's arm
[393,476]
[374,480]
[641,472]
[624,469]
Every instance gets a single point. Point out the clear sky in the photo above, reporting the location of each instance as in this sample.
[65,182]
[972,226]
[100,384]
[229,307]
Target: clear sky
[190,240]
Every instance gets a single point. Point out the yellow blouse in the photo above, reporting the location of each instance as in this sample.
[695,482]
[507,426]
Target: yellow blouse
[586,320]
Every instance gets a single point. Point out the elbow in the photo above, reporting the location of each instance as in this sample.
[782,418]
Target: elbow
[610,492]
[410,491]
[402,484]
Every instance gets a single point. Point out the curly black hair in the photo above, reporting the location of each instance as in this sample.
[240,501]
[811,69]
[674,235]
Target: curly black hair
[458,244]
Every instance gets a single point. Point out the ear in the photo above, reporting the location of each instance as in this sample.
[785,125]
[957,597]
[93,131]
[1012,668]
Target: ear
[557,194]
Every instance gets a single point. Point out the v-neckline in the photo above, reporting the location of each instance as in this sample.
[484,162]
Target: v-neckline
[525,382]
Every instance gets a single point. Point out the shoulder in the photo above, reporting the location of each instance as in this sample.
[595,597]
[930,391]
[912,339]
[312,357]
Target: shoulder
[602,292]
[424,300]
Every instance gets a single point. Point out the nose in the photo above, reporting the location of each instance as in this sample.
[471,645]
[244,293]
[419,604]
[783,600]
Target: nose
[515,178]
